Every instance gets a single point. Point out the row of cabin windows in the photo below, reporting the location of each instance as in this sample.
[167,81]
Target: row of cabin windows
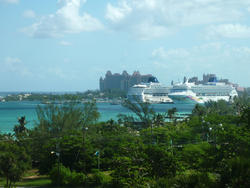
[212,94]
[157,94]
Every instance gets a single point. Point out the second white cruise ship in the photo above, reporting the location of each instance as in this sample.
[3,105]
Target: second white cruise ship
[201,93]
[151,92]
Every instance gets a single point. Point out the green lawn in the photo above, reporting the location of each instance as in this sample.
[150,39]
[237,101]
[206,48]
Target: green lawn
[31,179]
[39,182]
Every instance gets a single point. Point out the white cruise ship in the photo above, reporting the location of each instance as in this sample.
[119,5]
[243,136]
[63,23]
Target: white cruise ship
[201,93]
[152,92]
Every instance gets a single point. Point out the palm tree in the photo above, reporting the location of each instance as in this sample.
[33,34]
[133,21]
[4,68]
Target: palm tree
[21,127]
[199,110]
[172,113]
[142,110]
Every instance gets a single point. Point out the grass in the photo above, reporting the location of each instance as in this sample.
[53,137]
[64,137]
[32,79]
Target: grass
[31,179]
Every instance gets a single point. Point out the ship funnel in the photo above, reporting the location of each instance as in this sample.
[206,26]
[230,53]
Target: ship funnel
[153,80]
[212,79]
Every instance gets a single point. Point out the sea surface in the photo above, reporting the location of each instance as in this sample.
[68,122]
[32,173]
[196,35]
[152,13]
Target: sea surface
[10,111]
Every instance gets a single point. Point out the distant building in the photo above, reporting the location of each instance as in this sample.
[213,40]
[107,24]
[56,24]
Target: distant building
[121,81]
[194,80]
[206,78]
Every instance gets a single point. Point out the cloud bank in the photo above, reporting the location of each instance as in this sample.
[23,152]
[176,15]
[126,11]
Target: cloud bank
[29,14]
[66,20]
[216,57]
[228,31]
[149,19]
[9,1]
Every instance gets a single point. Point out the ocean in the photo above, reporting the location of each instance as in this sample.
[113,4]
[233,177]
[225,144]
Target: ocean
[10,111]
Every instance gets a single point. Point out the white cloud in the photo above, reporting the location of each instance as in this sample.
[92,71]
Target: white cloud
[164,16]
[10,1]
[12,60]
[13,64]
[147,31]
[65,43]
[224,60]
[66,20]
[228,31]
[116,14]
[172,53]
[61,73]
[213,55]
[29,14]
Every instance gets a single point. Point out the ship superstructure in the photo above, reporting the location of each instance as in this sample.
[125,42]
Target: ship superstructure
[202,93]
[152,92]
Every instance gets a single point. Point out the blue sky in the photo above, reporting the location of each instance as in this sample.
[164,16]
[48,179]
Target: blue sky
[66,45]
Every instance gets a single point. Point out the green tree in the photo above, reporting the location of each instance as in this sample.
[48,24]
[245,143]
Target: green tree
[14,160]
[90,113]
[245,117]
[128,174]
[241,103]
[55,123]
[235,173]
[159,119]
[198,156]
[172,113]
[54,120]
[199,110]
[161,162]
[220,107]
[143,111]
[18,129]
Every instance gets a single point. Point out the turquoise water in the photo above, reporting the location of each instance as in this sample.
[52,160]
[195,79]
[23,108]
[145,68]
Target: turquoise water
[10,111]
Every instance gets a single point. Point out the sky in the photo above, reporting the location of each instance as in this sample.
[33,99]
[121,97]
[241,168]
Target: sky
[67,45]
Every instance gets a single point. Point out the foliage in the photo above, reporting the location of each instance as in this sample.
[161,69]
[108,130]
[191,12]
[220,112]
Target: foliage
[241,103]
[208,149]
[161,163]
[13,160]
[54,120]
[199,110]
[67,97]
[220,107]
[63,128]
[90,113]
[188,179]
[142,110]
[18,129]
[128,174]
[195,179]
[172,113]
[62,176]
[198,156]
[98,178]
[160,136]
[236,173]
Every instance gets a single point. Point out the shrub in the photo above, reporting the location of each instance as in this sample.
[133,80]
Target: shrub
[162,182]
[77,179]
[98,178]
[60,175]
[236,173]
[195,179]
[63,176]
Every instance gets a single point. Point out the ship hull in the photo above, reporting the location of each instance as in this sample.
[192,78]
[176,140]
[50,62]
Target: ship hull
[197,99]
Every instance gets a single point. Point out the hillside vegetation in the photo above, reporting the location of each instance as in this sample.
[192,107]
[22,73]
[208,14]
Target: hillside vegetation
[211,148]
